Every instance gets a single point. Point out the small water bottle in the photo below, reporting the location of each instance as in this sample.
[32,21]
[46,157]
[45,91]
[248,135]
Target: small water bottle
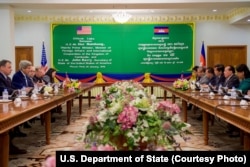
[233,93]
[23,91]
[5,94]
[220,90]
[56,88]
[36,89]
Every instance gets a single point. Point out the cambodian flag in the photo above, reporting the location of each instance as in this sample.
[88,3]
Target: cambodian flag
[161,30]
[202,56]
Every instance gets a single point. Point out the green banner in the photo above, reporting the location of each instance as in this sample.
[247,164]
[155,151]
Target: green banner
[123,48]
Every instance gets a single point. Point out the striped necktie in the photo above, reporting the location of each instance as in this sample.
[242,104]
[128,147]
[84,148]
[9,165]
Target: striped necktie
[26,81]
[226,81]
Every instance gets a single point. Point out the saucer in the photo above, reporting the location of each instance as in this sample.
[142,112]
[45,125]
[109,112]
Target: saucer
[23,97]
[4,101]
[48,95]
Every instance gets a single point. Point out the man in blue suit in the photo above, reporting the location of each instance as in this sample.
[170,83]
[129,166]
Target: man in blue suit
[20,78]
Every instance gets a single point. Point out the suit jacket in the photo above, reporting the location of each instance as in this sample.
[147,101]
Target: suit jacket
[19,80]
[37,79]
[203,80]
[220,81]
[212,81]
[5,84]
[30,82]
[244,85]
[233,81]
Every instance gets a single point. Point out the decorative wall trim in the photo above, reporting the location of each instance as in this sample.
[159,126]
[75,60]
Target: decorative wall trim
[237,12]
[135,19]
[109,19]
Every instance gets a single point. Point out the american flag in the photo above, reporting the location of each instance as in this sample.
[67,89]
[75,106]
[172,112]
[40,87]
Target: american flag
[44,59]
[84,30]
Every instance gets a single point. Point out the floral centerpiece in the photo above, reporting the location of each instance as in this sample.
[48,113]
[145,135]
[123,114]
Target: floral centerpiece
[48,88]
[182,84]
[129,118]
[72,85]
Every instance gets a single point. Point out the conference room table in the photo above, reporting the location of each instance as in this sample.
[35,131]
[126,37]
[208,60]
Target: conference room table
[228,110]
[14,114]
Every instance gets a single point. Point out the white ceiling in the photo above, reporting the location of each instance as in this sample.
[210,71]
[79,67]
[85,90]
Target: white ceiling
[135,7]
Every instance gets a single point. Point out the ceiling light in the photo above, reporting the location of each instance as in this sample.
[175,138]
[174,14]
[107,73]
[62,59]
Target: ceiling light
[29,11]
[121,17]
[214,10]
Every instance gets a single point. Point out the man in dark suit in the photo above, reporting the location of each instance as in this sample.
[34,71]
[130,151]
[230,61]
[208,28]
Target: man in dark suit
[231,79]
[5,83]
[211,76]
[207,79]
[219,73]
[20,78]
[38,77]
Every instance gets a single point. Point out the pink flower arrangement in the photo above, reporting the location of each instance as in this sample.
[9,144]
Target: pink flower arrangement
[167,106]
[128,115]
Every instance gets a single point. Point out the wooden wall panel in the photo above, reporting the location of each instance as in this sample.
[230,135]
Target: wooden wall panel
[23,53]
[227,55]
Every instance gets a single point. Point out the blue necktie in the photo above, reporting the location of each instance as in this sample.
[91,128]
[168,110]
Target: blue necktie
[26,81]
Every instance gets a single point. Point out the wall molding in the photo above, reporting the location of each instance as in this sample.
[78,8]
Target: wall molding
[109,19]
[135,19]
